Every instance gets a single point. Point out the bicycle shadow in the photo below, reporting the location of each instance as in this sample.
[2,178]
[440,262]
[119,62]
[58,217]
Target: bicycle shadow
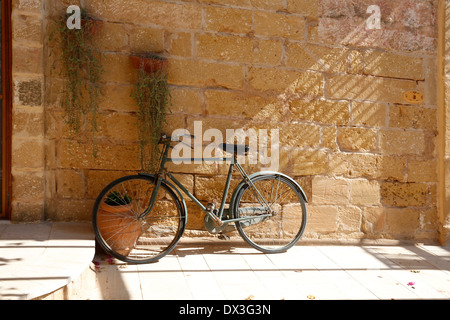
[211,245]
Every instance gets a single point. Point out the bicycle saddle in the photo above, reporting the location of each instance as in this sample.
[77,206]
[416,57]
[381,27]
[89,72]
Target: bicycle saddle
[235,148]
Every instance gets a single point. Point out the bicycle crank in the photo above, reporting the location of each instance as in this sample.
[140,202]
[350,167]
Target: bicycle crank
[216,226]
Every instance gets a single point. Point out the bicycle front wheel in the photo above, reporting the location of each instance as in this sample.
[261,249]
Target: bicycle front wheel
[123,233]
[275,232]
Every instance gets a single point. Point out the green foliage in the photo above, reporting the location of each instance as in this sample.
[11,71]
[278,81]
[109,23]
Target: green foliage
[116,199]
[152,95]
[81,69]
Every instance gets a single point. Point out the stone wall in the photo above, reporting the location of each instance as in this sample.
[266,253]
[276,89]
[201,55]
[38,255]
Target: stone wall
[366,157]
[28,136]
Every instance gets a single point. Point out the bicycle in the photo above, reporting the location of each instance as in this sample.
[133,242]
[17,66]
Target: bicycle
[140,218]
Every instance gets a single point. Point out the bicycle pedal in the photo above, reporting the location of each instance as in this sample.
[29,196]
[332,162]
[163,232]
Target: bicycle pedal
[222,236]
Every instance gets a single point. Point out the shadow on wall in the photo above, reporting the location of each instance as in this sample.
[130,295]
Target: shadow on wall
[363,155]
[346,117]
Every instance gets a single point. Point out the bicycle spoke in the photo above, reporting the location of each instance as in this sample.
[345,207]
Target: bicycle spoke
[122,232]
[284,227]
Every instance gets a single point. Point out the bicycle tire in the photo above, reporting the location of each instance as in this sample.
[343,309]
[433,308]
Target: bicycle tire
[123,234]
[277,233]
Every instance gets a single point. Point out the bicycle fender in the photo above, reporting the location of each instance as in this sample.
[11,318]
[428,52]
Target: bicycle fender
[260,173]
[180,196]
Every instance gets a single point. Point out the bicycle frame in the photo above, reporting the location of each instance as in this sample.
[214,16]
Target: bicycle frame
[217,218]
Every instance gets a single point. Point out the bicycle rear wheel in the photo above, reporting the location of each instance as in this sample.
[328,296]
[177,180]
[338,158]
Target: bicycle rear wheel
[280,231]
[121,231]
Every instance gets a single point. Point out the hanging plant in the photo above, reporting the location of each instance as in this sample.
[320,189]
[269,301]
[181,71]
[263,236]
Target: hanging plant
[81,70]
[152,96]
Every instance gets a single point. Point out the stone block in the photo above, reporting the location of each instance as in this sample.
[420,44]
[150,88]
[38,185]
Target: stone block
[404,194]
[239,49]
[142,40]
[117,97]
[349,218]
[55,126]
[187,180]
[305,183]
[228,20]
[110,157]
[322,219]
[368,114]
[27,212]
[70,184]
[357,139]
[72,210]
[210,189]
[273,5]
[299,135]
[329,135]
[373,220]
[111,37]
[371,88]
[307,8]
[117,126]
[328,191]
[196,216]
[55,7]
[186,100]
[27,28]
[235,104]
[198,125]
[422,171]
[27,153]
[386,64]
[192,168]
[174,15]
[309,162]
[277,24]
[391,168]
[356,61]
[313,32]
[402,221]
[27,59]
[322,111]
[117,68]
[410,117]
[402,142]
[27,124]
[173,122]
[317,57]
[307,84]
[205,74]
[364,192]
[28,186]
[179,43]
[367,165]
[28,92]
[28,5]
[97,180]
[353,165]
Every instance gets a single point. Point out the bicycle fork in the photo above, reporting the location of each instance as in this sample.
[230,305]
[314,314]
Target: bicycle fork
[159,177]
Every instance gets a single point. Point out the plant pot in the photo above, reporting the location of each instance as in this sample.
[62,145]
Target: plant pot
[91,26]
[111,219]
[149,64]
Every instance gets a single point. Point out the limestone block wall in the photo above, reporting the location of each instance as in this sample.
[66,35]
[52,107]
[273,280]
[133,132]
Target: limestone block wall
[313,69]
[28,136]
